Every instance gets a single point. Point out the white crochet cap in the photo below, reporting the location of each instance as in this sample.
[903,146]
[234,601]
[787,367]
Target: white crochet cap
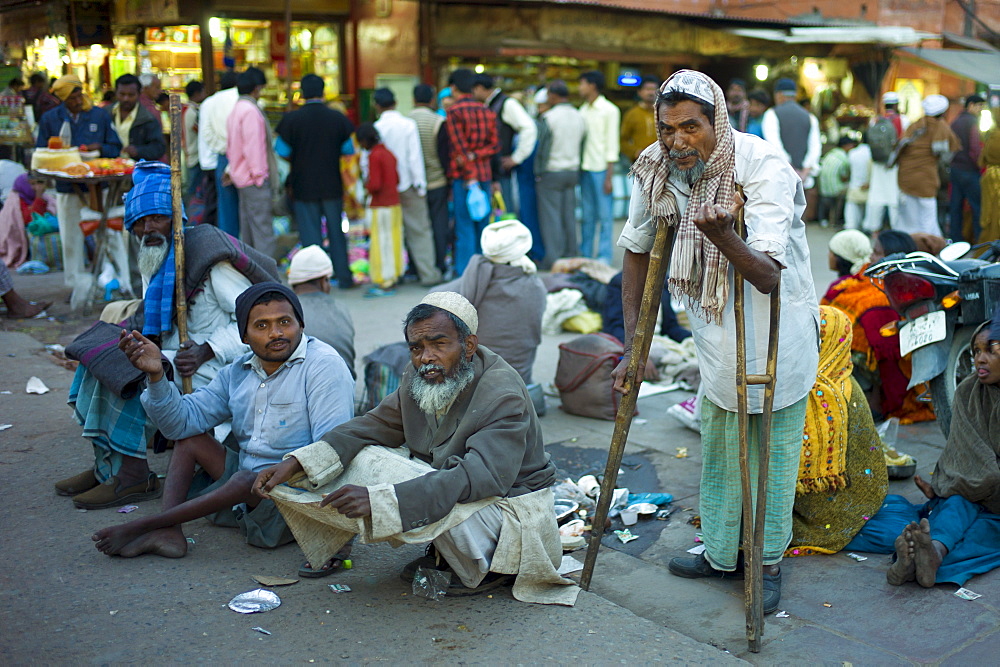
[457,305]
[890,97]
[308,264]
[935,105]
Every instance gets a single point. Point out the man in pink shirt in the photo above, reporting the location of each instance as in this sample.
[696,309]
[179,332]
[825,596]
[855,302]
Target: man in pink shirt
[248,149]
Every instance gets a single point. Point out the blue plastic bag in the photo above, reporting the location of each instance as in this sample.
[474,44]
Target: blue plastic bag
[477,202]
[655,498]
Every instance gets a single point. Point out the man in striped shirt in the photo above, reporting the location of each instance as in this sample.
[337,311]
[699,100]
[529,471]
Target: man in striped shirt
[472,137]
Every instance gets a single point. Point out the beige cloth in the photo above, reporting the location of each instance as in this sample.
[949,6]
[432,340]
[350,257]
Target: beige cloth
[528,544]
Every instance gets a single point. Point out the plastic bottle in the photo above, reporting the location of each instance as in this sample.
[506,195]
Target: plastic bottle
[66,135]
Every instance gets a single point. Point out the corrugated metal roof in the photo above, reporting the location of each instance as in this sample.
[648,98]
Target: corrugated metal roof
[981,66]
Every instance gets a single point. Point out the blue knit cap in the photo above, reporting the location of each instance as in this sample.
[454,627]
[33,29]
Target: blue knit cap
[150,193]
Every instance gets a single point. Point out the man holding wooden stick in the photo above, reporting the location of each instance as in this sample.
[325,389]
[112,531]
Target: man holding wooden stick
[105,389]
[691,179]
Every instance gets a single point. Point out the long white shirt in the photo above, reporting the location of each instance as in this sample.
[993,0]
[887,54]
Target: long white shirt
[773,215]
[212,134]
[401,137]
[860,159]
[771,129]
[568,129]
[601,147]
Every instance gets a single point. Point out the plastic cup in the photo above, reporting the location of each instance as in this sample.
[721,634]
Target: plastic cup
[629,516]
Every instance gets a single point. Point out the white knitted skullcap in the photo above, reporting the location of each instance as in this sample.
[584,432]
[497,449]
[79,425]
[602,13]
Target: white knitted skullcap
[308,264]
[457,305]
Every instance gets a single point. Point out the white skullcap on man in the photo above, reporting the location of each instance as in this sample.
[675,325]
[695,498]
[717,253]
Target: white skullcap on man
[935,105]
[508,242]
[309,263]
[890,97]
[457,305]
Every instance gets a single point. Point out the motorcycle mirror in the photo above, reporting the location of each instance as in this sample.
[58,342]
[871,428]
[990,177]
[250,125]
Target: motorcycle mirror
[954,251]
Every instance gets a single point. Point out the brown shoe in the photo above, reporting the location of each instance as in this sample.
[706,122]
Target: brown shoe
[111,493]
[77,484]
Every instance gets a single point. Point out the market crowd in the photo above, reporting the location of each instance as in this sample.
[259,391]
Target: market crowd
[482,193]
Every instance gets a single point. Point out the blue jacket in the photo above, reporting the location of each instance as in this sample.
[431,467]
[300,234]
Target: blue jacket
[91,127]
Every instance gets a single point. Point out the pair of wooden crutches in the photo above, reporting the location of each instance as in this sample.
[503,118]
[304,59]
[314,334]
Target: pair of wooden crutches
[753,518]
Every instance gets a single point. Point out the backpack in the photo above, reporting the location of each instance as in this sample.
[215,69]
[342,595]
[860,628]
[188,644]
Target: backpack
[882,139]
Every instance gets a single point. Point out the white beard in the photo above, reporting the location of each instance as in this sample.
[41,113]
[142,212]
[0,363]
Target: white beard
[433,398]
[689,176]
[151,258]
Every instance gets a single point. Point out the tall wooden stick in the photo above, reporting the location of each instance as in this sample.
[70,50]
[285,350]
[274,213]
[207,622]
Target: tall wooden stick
[753,516]
[659,260]
[180,297]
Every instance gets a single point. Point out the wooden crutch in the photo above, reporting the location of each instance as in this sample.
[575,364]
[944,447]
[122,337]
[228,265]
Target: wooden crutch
[180,297]
[659,261]
[753,518]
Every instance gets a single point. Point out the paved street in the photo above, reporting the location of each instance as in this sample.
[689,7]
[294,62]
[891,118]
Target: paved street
[62,601]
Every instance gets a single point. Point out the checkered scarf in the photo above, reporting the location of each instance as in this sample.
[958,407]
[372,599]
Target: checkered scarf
[698,270]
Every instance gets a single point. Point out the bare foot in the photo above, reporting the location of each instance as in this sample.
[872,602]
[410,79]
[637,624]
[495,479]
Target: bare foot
[903,569]
[166,542]
[925,555]
[925,487]
[26,309]
[113,539]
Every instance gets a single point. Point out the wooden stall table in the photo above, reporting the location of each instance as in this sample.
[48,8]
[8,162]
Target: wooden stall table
[117,184]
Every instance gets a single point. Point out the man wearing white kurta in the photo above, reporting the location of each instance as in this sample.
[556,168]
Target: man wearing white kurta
[692,179]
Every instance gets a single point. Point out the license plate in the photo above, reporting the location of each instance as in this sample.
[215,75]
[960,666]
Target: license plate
[924,330]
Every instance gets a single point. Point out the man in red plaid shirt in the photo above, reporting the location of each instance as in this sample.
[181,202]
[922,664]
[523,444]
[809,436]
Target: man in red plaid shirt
[472,137]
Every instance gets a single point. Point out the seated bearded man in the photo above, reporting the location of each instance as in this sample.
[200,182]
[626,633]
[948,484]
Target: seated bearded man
[286,393]
[105,390]
[478,486]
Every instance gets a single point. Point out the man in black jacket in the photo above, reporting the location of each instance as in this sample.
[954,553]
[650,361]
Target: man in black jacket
[311,138]
[138,130]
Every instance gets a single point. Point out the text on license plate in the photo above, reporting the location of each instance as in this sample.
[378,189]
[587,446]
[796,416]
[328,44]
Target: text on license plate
[924,330]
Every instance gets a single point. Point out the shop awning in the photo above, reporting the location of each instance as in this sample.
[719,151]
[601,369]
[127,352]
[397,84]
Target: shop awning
[981,66]
[861,34]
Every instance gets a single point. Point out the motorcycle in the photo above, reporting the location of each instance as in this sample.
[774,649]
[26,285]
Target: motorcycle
[940,300]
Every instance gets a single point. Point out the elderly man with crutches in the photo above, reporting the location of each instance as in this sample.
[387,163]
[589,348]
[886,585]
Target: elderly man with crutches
[695,180]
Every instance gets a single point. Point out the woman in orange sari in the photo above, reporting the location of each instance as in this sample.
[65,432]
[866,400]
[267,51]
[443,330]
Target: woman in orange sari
[879,368]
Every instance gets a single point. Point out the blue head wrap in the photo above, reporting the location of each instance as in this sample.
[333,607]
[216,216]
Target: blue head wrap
[150,193]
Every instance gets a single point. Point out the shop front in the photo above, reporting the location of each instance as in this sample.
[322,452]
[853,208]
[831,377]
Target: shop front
[525,46]
[174,53]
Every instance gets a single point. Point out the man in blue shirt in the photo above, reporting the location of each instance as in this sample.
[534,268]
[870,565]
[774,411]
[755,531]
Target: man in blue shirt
[288,392]
[90,129]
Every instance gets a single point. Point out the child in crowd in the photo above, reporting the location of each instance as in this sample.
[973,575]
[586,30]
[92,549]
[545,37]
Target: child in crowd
[385,216]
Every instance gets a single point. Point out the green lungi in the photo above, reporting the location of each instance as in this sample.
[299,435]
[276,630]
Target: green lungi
[721,503]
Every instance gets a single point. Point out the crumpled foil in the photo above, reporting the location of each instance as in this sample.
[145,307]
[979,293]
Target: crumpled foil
[255,601]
